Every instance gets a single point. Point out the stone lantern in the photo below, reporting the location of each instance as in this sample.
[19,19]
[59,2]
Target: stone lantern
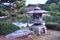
[38,20]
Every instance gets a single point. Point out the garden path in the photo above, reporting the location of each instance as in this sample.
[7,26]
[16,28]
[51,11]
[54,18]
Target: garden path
[52,35]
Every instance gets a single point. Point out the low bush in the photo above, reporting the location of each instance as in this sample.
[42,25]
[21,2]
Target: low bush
[53,26]
[6,28]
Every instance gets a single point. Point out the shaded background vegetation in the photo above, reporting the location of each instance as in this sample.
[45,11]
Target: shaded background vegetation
[53,6]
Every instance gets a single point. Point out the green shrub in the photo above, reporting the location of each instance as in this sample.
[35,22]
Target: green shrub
[53,26]
[58,27]
[6,28]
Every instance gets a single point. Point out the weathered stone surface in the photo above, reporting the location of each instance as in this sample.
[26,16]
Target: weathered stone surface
[19,33]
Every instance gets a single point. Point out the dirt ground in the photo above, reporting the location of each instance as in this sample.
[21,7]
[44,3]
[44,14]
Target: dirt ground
[52,35]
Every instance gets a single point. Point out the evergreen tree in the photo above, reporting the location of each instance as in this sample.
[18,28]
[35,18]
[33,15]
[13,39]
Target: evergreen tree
[52,1]
[20,5]
[52,6]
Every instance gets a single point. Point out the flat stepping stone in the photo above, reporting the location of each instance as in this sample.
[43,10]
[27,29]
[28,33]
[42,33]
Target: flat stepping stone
[19,33]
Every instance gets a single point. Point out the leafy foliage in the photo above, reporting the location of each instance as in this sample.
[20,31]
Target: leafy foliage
[54,10]
[53,26]
[52,1]
[52,6]
[24,17]
[58,6]
[20,5]
[6,28]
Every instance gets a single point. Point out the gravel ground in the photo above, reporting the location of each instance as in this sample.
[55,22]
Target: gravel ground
[52,35]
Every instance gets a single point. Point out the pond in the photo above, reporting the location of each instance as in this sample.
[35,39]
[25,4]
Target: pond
[21,24]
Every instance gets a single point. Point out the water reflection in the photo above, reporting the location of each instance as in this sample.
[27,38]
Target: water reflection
[21,24]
